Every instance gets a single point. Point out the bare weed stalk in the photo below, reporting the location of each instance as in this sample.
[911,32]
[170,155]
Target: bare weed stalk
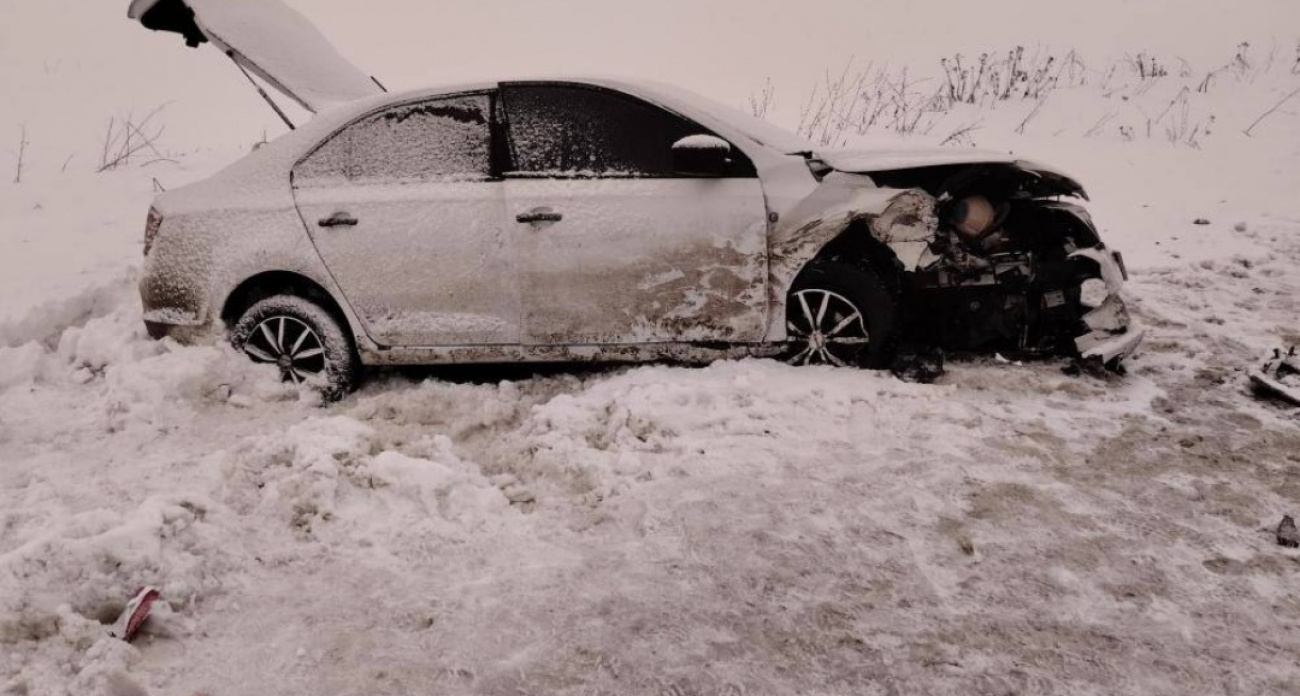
[22,154]
[1099,125]
[1270,112]
[1020,129]
[962,136]
[829,111]
[126,138]
[855,102]
[759,104]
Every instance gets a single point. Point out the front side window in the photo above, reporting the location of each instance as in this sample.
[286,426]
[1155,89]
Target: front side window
[577,131]
[446,139]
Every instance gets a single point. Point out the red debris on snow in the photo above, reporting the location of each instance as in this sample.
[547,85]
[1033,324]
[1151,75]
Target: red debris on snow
[137,610]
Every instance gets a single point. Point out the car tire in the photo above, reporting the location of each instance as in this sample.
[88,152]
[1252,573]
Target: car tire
[842,314]
[303,339]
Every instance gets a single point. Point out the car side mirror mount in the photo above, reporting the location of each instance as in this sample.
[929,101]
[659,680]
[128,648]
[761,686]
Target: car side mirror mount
[701,155]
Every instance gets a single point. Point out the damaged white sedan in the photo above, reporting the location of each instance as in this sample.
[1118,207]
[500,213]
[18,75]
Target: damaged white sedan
[599,220]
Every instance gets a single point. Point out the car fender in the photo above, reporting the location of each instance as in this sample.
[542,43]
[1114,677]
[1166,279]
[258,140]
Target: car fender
[905,220]
[186,283]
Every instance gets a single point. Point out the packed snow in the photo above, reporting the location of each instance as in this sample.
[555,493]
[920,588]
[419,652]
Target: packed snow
[742,528]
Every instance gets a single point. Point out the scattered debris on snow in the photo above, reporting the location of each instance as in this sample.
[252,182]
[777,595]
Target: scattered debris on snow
[1279,378]
[136,612]
[1287,534]
[919,365]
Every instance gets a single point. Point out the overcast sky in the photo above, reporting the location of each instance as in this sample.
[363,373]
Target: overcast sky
[728,44]
[66,65]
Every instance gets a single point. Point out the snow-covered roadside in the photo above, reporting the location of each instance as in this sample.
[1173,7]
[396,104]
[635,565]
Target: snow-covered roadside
[742,528]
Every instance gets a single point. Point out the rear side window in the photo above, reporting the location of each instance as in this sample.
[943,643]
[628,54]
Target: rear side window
[574,131]
[438,140]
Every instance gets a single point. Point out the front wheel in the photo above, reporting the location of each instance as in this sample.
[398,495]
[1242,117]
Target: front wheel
[300,338]
[841,314]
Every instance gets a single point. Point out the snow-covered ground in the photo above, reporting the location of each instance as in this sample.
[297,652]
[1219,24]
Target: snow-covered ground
[745,528]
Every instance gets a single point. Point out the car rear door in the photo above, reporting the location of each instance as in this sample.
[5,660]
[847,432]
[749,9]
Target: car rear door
[407,213]
[615,247]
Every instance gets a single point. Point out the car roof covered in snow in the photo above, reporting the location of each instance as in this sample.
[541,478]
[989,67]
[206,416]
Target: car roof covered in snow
[697,106]
[709,112]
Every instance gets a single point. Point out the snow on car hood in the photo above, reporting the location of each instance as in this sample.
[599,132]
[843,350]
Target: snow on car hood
[268,38]
[1053,181]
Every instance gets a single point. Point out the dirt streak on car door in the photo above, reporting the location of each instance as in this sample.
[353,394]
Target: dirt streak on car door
[641,260]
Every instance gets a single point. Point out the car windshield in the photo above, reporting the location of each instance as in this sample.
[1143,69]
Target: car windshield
[756,129]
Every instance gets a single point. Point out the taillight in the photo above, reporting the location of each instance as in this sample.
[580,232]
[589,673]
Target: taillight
[151,229]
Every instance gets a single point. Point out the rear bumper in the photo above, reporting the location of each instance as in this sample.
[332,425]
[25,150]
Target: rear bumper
[181,332]
[172,308]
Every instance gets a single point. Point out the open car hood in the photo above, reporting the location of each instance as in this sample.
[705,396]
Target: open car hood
[1049,180]
[267,38]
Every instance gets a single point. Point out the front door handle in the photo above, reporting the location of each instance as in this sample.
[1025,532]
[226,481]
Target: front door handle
[339,219]
[539,215]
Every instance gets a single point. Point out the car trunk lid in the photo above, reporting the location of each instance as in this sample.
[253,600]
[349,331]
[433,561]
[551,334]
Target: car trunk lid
[267,38]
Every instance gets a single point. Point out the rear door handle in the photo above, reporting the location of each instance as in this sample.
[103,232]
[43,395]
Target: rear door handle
[338,220]
[539,215]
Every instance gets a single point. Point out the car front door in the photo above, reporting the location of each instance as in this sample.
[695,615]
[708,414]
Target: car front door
[615,246]
[407,214]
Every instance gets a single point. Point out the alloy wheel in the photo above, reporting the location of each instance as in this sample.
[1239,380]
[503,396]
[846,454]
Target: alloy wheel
[825,328]
[289,344]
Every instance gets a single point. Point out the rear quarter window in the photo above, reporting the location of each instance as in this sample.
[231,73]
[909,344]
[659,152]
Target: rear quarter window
[447,139]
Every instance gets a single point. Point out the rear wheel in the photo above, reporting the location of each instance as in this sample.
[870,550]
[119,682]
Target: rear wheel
[841,314]
[300,338]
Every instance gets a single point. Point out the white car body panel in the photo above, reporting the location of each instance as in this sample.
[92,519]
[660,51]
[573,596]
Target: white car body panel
[642,260]
[200,258]
[427,264]
[822,215]
[425,257]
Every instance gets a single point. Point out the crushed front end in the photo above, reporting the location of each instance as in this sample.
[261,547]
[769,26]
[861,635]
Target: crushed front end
[1041,283]
[995,258]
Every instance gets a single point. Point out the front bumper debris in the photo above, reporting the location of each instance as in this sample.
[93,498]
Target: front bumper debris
[1109,348]
[1112,335]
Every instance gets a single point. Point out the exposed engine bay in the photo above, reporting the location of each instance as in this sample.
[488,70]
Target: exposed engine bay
[1007,265]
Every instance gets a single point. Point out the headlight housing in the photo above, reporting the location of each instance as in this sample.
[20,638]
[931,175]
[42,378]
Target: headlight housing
[1093,293]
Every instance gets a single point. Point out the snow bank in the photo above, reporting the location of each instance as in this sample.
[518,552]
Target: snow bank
[332,470]
[64,588]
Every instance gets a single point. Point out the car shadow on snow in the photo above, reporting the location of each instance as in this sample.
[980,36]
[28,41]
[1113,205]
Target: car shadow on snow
[921,366]
[494,373]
